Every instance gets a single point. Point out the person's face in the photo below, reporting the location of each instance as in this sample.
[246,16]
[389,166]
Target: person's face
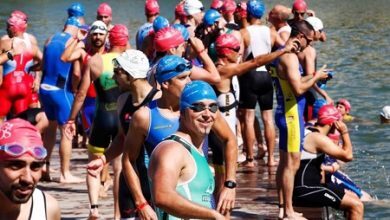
[201,121]
[176,85]
[179,50]
[121,78]
[198,17]
[305,40]
[233,55]
[105,18]
[98,39]
[19,177]
[342,109]
[299,15]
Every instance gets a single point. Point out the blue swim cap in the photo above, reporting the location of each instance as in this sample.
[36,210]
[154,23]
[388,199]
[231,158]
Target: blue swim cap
[194,92]
[317,105]
[170,66]
[159,23]
[74,21]
[76,9]
[183,30]
[210,17]
[255,8]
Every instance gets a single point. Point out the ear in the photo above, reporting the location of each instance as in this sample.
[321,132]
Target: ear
[165,84]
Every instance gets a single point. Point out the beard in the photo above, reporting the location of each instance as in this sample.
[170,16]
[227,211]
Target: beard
[17,197]
[97,43]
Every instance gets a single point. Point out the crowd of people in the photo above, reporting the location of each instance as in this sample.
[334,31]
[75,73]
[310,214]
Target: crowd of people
[162,114]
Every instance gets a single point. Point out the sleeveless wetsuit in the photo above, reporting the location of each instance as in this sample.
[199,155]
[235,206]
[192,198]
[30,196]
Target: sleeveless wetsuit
[308,190]
[88,110]
[55,92]
[288,113]
[256,85]
[155,135]
[38,206]
[16,91]
[105,123]
[199,189]
[227,106]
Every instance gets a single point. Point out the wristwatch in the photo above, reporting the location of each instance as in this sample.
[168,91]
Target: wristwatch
[230,184]
[10,56]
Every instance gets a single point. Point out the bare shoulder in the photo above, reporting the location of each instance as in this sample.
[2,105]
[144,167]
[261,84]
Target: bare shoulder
[168,149]
[52,207]
[95,63]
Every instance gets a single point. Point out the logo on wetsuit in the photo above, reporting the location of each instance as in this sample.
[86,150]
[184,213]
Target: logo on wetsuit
[330,197]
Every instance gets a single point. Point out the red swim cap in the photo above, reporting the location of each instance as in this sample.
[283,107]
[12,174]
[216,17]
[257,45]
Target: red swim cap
[216,4]
[345,103]
[241,9]
[17,23]
[119,35]
[299,5]
[226,43]
[152,7]
[167,38]
[179,11]
[334,136]
[104,9]
[21,132]
[229,6]
[328,114]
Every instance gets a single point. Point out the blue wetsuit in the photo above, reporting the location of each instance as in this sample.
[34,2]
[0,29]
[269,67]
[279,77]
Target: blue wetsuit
[55,92]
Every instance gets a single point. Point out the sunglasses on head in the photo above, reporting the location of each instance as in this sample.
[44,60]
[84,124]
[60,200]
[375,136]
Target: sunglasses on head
[16,150]
[199,107]
[179,68]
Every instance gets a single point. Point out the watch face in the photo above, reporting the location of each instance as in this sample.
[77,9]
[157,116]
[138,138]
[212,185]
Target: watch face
[230,184]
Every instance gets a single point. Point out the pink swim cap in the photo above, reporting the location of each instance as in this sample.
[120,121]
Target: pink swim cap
[119,35]
[299,5]
[229,6]
[328,114]
[216,4]
[104,9]
[334,136]
[167,38]
[152,7]
[17,23]
[179,11]
[345,103]
[21,132]
[19,14]
[226,43]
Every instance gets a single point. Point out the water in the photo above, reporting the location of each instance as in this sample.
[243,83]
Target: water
[357,49]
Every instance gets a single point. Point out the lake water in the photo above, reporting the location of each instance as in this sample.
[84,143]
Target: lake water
[358,49]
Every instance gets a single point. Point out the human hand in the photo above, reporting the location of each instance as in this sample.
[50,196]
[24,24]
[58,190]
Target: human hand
[147,213]
[310,13]
[322,73]
[95,166]
[329,100]
[70,129]
[226,200]
[292,46]
[341,127]
[196,44]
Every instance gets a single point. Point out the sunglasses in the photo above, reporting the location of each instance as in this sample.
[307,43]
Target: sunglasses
[16,150]
[300,13]
[236,49]
[179,68]
[199,107]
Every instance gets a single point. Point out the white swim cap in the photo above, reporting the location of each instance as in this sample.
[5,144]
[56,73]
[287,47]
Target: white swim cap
[192,7]
[134,62]
[386,112]
[315,22]
[98,27]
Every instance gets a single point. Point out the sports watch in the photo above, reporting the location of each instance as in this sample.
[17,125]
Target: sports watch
[230,184]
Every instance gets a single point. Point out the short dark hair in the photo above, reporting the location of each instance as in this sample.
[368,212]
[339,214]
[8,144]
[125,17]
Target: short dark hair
[303,27]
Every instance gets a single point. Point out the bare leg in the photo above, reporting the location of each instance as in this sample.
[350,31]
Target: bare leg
[248,132]
[279,173]
[269,133]
[93,185]
[65,154]
[117,165]
[49,140]
[352,204]
[288,175]
[259,139]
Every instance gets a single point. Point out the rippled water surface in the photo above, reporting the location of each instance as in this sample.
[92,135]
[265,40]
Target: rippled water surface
[357,49]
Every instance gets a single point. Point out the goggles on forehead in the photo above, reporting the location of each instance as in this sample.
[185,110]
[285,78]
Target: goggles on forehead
[179,68]
[199,107]
[95,27]
[17,150]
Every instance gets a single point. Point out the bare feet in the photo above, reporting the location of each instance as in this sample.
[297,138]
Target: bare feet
[271,162]
[93,214]
[248,163]
[71,179]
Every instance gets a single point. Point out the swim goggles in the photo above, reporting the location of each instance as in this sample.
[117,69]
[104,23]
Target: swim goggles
[199,107]
[16,150]
[179,68]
